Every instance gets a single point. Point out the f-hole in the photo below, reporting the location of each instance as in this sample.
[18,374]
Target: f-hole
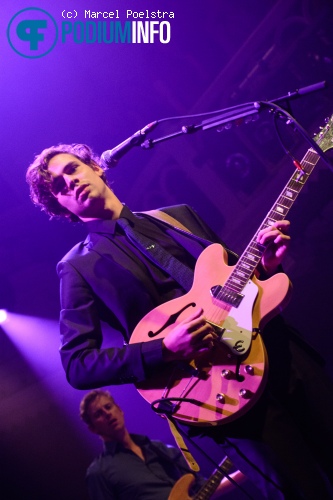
[171,320]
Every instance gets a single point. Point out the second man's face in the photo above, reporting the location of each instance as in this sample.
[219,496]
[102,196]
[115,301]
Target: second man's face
[107,418]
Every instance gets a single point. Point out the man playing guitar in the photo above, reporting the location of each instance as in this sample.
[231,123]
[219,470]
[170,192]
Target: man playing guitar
[108,277]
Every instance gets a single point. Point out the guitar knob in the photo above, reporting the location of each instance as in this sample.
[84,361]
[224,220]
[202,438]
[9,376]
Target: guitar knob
[245,393]
[249,369]
[226,374]
[220,398]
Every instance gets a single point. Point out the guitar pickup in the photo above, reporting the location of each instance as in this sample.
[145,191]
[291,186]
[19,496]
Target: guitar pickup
[226,295]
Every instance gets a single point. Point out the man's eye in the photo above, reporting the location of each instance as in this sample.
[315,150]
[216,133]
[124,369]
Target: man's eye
[71,168]
[59,186]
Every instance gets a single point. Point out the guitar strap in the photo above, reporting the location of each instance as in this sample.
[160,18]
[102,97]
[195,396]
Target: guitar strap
[163,216]
[193,465]
[172,222]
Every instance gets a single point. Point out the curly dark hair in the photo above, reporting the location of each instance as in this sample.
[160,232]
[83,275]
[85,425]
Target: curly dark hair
[39,178]
[89,398]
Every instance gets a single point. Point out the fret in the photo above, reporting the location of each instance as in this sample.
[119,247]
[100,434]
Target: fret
[238,280]
[212,483]
[286,206]
[272,215]
[251,256]
[235,280]
[241,282]
[255,252]
[279,209]
[252,266]
[289,193]
[281,204]
[287,199]
[300,177]
[255,245]
[229,286]
[235,287]
[309,162]
[286,202]
[241,273]
[238,287]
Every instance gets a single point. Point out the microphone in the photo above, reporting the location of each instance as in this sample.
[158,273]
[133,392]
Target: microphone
[111,157]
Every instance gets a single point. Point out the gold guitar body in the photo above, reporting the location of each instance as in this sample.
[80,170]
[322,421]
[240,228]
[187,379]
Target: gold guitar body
[180,491]
[226,382]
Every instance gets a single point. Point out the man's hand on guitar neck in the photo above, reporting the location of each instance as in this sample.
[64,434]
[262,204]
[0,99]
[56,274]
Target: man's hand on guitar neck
[190,339]
[276,239]
[194,336]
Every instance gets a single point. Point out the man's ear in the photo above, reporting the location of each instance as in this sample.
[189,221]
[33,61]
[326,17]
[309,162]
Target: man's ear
[97,168]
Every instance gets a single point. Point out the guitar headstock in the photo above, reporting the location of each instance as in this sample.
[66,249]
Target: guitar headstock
[324,138]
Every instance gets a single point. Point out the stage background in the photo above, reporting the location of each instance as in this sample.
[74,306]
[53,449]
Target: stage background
[220,54]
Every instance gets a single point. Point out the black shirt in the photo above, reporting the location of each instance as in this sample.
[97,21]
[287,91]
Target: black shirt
[119,474]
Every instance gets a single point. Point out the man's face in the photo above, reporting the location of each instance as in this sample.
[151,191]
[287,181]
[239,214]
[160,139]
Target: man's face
[107,419]
[77,186]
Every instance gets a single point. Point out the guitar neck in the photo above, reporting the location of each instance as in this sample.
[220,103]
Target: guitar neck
[254,251]
[210,486]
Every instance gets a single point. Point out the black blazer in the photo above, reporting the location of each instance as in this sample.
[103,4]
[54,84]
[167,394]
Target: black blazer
[100,284]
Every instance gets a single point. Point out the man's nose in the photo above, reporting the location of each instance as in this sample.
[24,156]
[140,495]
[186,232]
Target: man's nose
[106,411]
[70,181]
[107,415]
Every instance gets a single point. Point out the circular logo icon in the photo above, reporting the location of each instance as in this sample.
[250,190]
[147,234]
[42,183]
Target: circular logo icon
[32,32]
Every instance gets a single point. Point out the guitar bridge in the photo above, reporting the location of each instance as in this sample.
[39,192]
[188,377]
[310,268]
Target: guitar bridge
[219,330]
[226,295]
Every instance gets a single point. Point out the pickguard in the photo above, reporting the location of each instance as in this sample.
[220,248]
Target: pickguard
[237,326]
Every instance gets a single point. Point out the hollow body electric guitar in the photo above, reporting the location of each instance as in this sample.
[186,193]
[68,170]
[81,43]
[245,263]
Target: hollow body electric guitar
[223,384]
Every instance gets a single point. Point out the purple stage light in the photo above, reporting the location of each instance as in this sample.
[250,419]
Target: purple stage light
[3,316]
[37,339]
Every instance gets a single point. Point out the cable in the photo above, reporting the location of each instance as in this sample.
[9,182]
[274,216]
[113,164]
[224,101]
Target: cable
[217,466]
[303,132]
[209,113]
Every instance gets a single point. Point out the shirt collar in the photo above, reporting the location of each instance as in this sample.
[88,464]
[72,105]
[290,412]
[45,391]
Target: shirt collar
[110,447]
[109,225]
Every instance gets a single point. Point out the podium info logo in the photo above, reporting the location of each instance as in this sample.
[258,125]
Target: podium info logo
[32,32]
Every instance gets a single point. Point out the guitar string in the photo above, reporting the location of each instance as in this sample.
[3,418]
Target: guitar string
[296,187]
[217,313]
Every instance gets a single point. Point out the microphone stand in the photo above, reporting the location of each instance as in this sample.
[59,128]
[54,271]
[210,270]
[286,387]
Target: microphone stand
[245,113]
[227,117]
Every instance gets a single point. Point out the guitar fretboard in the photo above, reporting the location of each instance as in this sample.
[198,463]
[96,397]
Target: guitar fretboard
[254,251]
[212,483]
